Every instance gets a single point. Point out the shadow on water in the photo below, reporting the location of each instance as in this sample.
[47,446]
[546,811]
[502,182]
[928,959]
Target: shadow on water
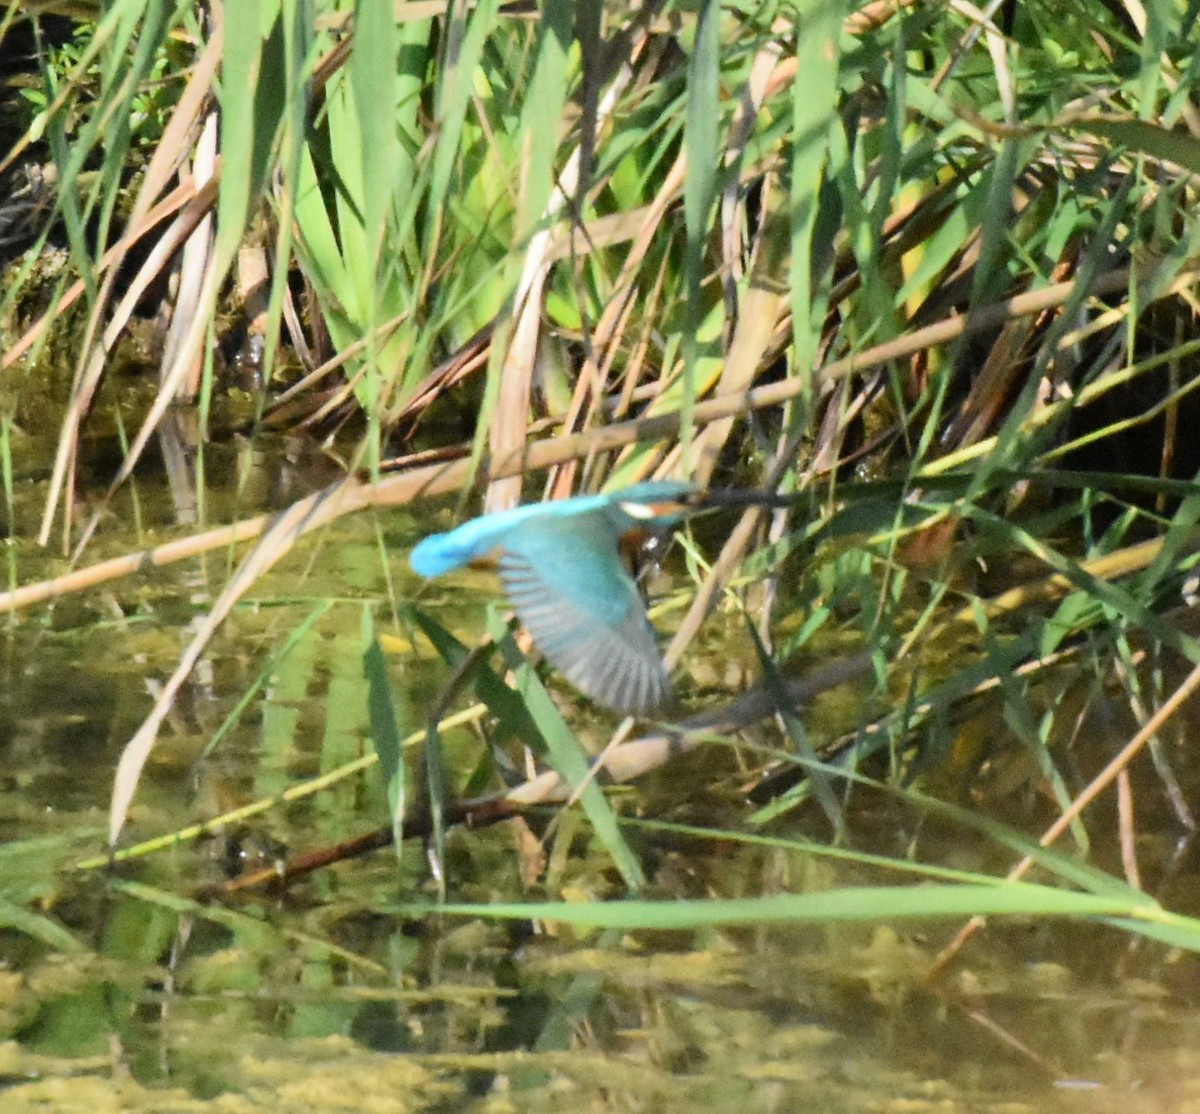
[120,991]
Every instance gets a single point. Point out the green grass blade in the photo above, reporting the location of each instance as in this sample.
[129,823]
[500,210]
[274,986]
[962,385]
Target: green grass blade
[372,74]
[387,734]
[568,757]
[856,903]
[252,98]
[37,927]
[814,113]
[541,114]
[702,119]
[465,45]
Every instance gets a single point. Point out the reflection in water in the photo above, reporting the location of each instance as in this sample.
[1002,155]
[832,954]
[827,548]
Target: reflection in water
[327,997]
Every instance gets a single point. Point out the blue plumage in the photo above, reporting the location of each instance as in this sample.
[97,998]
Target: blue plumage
[561,568]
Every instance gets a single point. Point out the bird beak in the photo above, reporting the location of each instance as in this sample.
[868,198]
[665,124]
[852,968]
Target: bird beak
[739,497]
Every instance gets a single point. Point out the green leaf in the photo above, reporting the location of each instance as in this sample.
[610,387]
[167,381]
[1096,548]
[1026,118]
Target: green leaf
[814,113]
[541,113]
[703,117]
[386,732]
[570,760]
[252,106]
[372,71]
[862,903]
[37,927]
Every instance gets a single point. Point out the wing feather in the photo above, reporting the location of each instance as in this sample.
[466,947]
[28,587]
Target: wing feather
[568,587]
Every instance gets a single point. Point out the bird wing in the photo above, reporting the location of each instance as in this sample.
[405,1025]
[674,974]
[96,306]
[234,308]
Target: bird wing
[564,578]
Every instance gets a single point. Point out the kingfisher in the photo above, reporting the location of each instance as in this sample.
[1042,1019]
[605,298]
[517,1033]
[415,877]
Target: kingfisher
[561,568]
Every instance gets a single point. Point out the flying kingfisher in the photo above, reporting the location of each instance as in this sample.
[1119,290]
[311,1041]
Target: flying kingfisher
[561,568]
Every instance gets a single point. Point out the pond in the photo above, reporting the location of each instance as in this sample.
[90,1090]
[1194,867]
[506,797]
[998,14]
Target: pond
[130,989]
